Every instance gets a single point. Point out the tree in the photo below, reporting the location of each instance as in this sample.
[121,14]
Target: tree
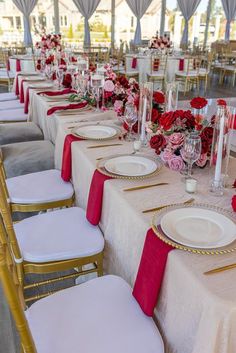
[70,34]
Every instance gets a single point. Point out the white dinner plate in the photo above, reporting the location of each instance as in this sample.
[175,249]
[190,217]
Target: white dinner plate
[95,132]
[131,166]
[198,228]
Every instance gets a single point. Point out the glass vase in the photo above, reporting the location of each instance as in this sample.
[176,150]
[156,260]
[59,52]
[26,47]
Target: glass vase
[145,110]
[171,96]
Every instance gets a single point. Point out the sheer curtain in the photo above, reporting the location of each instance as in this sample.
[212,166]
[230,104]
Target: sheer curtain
[230,12]
[87,8]
[138,7]
[26,7]
[187,7]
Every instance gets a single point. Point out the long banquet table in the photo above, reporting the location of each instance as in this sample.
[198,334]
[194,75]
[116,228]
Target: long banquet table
[195,313]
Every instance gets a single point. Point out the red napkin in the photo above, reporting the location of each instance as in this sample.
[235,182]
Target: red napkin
[94,206]
[18,65]
[57,93]
[26,107]
[66,169]
[22,91]
[66,107]
[156,64]
[151,272]
[8,65]
[181,64]
[134,63]
[233,203]
[17,91]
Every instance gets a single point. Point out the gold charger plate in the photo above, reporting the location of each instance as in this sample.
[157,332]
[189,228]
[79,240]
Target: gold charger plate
[101,168]
[118,132]
[219,251]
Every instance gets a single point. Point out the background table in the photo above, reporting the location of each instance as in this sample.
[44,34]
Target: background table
[26,62]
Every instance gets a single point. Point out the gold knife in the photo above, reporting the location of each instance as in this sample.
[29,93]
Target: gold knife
[220,269]
[160,208]
[145,186]
[99,146]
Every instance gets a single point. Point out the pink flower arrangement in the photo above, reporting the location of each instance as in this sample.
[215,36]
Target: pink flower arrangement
[48,42]
[160,42]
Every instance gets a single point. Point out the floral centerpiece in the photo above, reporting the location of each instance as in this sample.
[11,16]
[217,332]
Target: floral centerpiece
[168,131]
[49,42]
[161,42]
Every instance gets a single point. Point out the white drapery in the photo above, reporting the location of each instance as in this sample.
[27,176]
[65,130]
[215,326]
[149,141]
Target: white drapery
[229,7]
[138,7]
[87,8]
[26,7]
[187,7]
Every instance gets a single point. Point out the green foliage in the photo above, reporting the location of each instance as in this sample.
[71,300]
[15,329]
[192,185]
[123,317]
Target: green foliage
[98,26]
[70,34]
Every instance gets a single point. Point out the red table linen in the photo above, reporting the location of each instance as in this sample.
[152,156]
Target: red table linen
[66,107]
[18,65]
[22,91]
[26,106]
[57,93]
[181,64]
[94,206]
[134,63]
[66,169]
[151,272]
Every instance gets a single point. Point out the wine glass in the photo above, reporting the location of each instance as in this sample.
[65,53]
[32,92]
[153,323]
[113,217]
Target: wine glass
[191,151]
[97,82]
[59,75]
[130,118]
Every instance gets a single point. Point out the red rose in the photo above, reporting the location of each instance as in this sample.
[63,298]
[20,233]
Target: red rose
[158,97]
[221,102]
[157,142]
[205,146]
[123,81]
[213,119]
[167,120]
[49,60]
[198,102]
[207,134]
[155,116]
[67,80]
[233,203]
[62,62]
[134,128]
[188,117]
[38,67]
[234,184]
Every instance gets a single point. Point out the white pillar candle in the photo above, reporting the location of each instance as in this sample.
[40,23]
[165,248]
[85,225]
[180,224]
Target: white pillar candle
[191,185]
[219,151]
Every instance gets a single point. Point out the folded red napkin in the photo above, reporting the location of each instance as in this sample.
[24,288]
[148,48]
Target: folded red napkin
[18,65]
[151,272]
[233,203]
[134,63]
[66,169]
[57,93]
[94,206]
[181,64]
[17,91]
[8,65]
[22,91]
[66,107]
[156,64]
[26,106]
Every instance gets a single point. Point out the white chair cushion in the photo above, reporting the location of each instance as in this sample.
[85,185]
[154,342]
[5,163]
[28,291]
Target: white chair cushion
[187,74]
[11,104]
[99,316]
[131,72]
[13,115]
[158,74]
[58,235]
[7,96]
[203,72]
[230,68]
[39,187]
[5,75]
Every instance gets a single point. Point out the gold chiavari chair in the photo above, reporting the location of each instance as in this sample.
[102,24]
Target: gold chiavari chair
[53,242]
[6,76]
[39,191]
[158,69]
[190,76]
[103,307]
[205,69]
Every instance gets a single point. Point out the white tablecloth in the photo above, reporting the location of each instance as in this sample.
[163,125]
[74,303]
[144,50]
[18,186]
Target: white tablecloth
[26,62]
[196,313]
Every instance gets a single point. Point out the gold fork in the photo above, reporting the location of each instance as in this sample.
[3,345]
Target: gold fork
[160,207]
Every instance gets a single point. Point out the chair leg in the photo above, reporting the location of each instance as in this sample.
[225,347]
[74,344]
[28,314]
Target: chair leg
[100,266]
[185,86]
[234,79]
[206,82]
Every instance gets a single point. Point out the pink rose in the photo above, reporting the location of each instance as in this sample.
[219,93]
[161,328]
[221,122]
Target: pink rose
[202,160]
[167,155]
[118,105]
[176,163]
[109,86]
[130,99]
[176,139]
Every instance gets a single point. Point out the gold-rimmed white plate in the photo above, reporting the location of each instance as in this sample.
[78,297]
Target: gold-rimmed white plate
[214,250]
[95,132]
[129,166]
[199,228]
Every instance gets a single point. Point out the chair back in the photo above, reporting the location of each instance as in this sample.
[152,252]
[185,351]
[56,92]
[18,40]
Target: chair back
[158,63]
[14,295]
[193,64]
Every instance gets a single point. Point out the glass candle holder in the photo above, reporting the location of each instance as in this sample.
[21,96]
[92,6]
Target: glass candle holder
[145,110]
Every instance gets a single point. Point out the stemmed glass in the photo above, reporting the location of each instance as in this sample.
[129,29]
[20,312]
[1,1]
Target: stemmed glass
[59,75]
[191,151]
[97,82]
[49,71]
[130,118]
